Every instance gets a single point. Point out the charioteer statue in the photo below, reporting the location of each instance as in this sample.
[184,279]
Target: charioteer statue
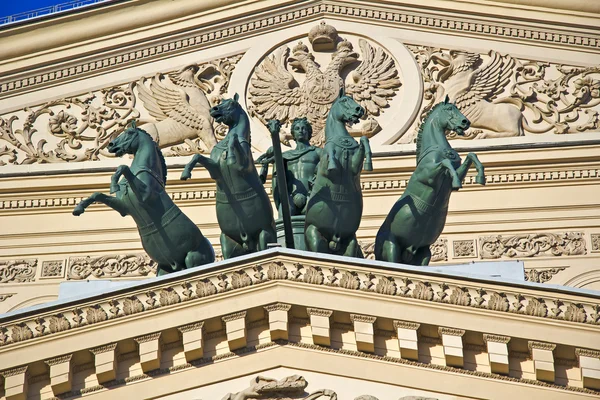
[300,165]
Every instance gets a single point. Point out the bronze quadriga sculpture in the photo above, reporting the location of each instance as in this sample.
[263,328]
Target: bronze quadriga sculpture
[418,217]
[169,237]
[335,206]
[243,207]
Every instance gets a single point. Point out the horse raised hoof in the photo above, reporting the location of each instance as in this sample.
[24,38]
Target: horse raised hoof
[114,187]
[78,210]
[185,175]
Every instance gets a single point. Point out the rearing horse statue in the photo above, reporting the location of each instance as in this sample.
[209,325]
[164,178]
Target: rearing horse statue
[169,237]
[335,206]
[418,217]
[243,207]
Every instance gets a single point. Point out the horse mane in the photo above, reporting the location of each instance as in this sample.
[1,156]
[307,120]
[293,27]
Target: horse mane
[420,134]
[163,163]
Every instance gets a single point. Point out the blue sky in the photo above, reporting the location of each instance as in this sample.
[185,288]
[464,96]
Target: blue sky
[10,7]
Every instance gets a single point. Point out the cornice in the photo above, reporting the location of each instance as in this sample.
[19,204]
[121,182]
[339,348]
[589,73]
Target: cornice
[409,16]
[493,297]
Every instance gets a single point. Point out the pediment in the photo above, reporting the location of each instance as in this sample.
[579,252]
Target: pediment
[257,312]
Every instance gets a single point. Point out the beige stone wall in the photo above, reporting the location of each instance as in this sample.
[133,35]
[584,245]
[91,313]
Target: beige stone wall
[540,204]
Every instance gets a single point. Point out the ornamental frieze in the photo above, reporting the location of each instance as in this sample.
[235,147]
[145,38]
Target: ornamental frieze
[503,96]
[300,76]
[172,107]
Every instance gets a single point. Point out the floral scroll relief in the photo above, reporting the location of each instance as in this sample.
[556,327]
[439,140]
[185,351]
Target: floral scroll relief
[532,245]
[79,128]
[504,96]
[111,266]
[15,271]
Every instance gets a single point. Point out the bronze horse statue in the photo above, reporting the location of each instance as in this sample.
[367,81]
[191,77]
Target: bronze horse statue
[243,207]
[169,237]
[418,217]
[335,205]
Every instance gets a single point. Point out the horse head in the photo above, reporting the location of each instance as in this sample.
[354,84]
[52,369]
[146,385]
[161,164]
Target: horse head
[228,111]
[345,109]
[454,119]
[127,142]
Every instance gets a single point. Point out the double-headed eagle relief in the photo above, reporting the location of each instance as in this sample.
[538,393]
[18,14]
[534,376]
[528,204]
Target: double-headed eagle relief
[287,86]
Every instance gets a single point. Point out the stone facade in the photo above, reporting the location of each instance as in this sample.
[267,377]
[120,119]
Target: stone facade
[531,87]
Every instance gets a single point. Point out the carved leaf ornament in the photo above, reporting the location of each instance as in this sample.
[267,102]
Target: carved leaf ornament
[79,128]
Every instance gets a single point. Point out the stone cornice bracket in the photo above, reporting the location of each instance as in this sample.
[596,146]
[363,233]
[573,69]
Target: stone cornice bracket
[278,320]
[235,328]
[320,325]
[408,340]
[105,362]
[589,363]
[16,383]
[149,351]
[543,360]
[61,374]
[192,337]
[497,349]
[453,345]
[364,332]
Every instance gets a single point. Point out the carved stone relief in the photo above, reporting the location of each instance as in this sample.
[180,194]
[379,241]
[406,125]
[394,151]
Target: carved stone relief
[532,245]
[111,266]
[595,242]
[542,275]
[503,96]
[53,269]
[464,248]
[297,83]
[15,271]
[292,387]
[439,250]
[172,107]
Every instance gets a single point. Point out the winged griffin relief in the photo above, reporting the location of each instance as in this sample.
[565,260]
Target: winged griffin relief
[288,86]
[172,107]
[503,96]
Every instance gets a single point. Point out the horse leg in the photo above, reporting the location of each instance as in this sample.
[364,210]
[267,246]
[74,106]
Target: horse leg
[164,269]
[141,190]
[390,251]
[204,254]
[211,166]
[230,248]
[330,151]
[422,256]
[480,178]
[353,249]
[113,202]
[265,237]
[315,241]
[456,181]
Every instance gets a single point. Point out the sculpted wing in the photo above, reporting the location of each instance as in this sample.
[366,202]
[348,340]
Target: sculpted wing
[375,80]
[170,101]
[489,81]
[274,91]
